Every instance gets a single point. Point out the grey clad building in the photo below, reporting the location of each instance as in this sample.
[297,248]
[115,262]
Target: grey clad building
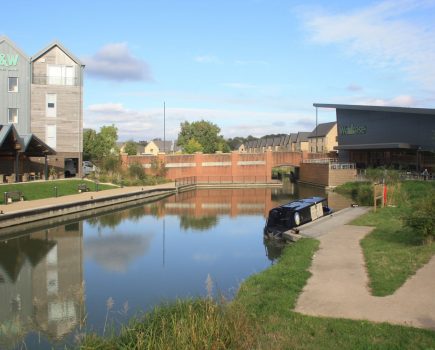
[41,112]
[396,137]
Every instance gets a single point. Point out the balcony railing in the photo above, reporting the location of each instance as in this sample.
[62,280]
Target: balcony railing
[55,80]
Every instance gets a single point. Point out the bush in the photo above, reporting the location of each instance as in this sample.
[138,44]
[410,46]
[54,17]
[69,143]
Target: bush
[420,216]
[136,171]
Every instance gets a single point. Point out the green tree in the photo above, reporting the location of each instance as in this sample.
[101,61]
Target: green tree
[204,132]
[89,137]
[130,148]
[193,146]
[105,142]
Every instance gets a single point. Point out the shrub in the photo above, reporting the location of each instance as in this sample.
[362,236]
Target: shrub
[420,216]
[136,171]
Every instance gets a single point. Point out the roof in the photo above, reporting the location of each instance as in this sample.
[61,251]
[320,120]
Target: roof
[60,46]
[293,138]
[377,108]
[303,136]
[29,144]
[4,38]
[322,129]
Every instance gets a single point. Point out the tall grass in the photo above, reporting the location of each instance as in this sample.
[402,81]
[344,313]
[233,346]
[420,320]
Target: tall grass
[185,324]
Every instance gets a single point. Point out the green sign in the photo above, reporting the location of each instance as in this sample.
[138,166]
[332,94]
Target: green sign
[8,60]
[353,130]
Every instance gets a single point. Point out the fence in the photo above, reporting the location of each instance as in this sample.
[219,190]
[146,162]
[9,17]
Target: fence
[194,180]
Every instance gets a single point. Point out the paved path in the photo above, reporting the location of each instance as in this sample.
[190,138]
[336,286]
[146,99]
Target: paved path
[49,202]
[338,286]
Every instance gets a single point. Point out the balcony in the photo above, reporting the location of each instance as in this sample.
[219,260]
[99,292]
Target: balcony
[55,80]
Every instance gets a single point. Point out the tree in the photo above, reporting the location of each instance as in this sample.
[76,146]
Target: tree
[89,137]
[130,148]
[204,132]
[105,142]
[193,146]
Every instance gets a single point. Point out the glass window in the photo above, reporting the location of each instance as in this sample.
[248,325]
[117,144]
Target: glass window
[12,84]
[13,115]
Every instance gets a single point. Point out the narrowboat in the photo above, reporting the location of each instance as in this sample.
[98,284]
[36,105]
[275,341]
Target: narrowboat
[293,214]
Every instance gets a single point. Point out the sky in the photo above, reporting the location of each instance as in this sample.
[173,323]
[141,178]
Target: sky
[253,67]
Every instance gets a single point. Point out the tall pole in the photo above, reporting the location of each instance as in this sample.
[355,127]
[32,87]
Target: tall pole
[316,128]
[164,127]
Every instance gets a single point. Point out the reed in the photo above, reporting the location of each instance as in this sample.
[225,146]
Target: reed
[185,324]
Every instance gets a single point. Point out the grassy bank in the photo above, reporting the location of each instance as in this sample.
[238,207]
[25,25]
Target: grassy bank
[261,317]
[46,189]
[393,252]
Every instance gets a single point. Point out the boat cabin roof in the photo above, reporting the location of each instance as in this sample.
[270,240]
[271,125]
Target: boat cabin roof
[303,203]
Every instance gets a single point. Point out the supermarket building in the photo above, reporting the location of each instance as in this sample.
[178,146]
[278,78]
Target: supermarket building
[41,111]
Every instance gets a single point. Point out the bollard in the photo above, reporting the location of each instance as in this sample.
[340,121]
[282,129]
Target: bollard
[55,191]
[96,186]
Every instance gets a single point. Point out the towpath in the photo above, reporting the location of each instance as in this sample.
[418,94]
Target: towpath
[339,283]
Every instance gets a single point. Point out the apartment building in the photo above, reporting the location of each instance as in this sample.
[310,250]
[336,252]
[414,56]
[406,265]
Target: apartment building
[43,102]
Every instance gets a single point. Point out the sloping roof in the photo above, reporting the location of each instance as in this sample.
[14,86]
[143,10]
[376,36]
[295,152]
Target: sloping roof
[322,129]
[303,136]
[4,38]
[60,46]
[29,144]
[269,142]
[293,138]
[164,146]
[377,108]
[277,141]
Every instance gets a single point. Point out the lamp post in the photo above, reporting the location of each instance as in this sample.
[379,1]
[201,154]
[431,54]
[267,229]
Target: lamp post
[316,126]
[164,127]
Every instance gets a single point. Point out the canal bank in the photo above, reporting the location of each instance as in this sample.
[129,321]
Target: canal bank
[25,212]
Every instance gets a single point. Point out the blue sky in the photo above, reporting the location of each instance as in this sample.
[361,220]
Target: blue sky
[250,66]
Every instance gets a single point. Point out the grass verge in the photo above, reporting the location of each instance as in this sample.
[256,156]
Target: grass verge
[392,251]
[46,189]
[270,297]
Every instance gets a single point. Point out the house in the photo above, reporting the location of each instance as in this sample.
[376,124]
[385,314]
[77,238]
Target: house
[158,146]
[302,142]
[323,138]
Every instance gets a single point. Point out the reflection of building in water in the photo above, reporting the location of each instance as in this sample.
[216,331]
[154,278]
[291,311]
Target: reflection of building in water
[41,283]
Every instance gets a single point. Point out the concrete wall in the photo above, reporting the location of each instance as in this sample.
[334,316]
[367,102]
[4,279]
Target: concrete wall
[322,175]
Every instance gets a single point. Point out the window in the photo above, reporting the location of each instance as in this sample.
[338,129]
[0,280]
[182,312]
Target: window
[60,75]
[13,115]
[50,105]
[50,135]
[12,84]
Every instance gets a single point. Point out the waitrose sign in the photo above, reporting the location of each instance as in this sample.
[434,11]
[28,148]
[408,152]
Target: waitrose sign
[7,60]
[353,129]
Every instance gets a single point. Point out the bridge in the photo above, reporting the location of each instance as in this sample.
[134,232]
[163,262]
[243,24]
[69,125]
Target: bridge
[235,166]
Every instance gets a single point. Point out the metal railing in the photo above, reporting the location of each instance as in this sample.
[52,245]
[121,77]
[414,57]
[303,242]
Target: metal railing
[320,160]
[342,166]
[195,180]
[54,80]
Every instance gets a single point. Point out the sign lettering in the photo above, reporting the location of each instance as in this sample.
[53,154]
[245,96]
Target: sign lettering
[353,130]
[8,60]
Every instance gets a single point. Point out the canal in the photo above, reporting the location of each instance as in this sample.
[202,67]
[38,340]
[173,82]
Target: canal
[60,282]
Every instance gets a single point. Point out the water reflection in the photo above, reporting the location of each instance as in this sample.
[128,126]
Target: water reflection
[41,284]
[144,255]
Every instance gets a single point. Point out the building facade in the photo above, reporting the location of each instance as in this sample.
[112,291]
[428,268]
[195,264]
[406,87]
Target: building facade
[323,138]
[44,98]
[395,137]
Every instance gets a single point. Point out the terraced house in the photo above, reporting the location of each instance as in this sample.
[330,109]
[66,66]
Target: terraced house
[41,112]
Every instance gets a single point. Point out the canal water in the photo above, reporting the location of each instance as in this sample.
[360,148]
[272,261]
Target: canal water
[60,282]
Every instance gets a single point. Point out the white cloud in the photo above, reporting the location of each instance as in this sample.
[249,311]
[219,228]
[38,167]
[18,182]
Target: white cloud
[116,62]
[207,59]
[148,124]
[382,35]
